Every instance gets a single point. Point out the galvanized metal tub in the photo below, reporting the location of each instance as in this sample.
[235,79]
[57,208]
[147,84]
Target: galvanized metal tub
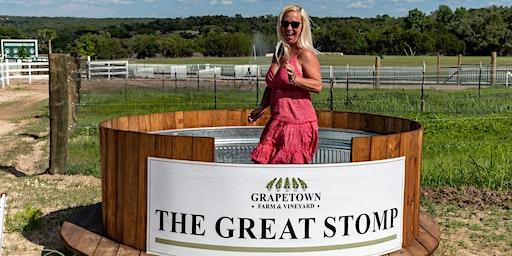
[234,144]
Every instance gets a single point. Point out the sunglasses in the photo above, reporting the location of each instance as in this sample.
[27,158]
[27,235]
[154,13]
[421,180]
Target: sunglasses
[285,24]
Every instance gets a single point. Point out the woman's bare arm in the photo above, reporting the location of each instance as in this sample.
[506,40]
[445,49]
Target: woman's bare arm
[312,79]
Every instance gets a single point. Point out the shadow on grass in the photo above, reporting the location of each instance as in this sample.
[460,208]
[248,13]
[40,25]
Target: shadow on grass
[47,233]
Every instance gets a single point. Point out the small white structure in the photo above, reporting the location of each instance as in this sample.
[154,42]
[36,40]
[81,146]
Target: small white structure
[3,205]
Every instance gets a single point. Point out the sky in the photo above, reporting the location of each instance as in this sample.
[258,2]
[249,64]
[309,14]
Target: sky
[247,8]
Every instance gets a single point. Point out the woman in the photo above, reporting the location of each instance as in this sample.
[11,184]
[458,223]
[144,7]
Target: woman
[291,135]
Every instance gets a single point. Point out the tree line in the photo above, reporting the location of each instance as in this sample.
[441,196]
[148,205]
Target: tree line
[443,31]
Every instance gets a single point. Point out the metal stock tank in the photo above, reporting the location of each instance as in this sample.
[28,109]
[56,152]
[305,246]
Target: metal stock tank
[234,144]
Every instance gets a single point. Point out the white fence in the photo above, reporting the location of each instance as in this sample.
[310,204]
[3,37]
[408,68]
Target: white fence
[107,69]
[467,74]
[23,70]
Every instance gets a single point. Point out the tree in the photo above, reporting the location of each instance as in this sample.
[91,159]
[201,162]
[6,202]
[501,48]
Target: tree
[47,35]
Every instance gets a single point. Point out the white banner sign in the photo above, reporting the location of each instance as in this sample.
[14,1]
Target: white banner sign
[198,209]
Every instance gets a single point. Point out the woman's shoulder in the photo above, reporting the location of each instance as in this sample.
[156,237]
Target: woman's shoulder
[307,55]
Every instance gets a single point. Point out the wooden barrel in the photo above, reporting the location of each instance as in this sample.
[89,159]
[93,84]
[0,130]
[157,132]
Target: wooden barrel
[126,142]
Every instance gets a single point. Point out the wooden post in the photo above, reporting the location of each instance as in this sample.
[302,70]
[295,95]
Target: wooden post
[459,69]
[377,72]
[438,68]
[493,68]
[63,88]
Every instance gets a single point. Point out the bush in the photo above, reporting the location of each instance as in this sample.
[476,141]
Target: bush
[25,220]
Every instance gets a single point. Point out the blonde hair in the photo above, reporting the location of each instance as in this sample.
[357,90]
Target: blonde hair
[305,39]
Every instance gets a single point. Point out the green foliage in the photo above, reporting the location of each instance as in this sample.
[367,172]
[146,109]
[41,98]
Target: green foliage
[28,219]
[470,32]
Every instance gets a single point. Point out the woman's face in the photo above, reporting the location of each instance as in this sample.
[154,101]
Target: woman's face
[291,27]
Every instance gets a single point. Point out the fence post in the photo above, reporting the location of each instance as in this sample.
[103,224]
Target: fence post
[30,73]
[214,86]
[163,77]
[438,73]
[422,103]
[198,77]
[377,72]
[459,69]
[493,68]
[479,79]
[331,89]
[63,83]
[348,78]
[257,84]
[7,73]
[2,74]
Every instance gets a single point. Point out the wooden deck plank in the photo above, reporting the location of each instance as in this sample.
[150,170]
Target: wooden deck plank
[106,247]
[430,225]
[361,149]
[417,249]
[70,233]
[428,241]
[88,242]
[127,251]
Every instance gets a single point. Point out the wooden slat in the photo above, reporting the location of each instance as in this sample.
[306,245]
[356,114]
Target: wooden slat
[221,118]
[178,120]
[392,146]
[205,118]
[377,124]
[131,187]
[169,120]
[427,240]
[398,125]
[378,148]
[121,123]
[430,225]
[366,122]
[361,149]
[120,184]
[111,177]
[417,249]
[127,251]
[190,119]
[164,146]
[203,149]
[234,118]
[106,247]
[133,123]
[324,118]
[405,150]
[182,148]
[104,177]
[354,121]
[88,242]
[156,122]
[70,233]
[417,149]
[144,123]
[339,120]
[407,125]
[389,125]
[147,146]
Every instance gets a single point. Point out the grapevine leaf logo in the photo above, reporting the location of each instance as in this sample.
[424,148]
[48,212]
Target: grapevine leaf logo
[286,183]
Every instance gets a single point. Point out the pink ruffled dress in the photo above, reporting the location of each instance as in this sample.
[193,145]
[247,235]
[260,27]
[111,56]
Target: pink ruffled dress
[291,135]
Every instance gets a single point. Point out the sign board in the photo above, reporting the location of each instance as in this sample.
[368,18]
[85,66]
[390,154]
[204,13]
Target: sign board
[19,48]
[197,208]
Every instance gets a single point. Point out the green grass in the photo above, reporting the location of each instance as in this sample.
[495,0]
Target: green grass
[467,141]
[338,60]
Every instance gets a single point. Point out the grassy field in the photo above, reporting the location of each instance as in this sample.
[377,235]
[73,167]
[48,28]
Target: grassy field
[468,139]
[339,60]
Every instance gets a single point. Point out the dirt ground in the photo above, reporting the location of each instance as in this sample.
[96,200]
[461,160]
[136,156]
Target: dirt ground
[473,221]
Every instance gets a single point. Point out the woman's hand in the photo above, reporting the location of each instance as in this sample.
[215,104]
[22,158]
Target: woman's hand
[291,72]
[255,114]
